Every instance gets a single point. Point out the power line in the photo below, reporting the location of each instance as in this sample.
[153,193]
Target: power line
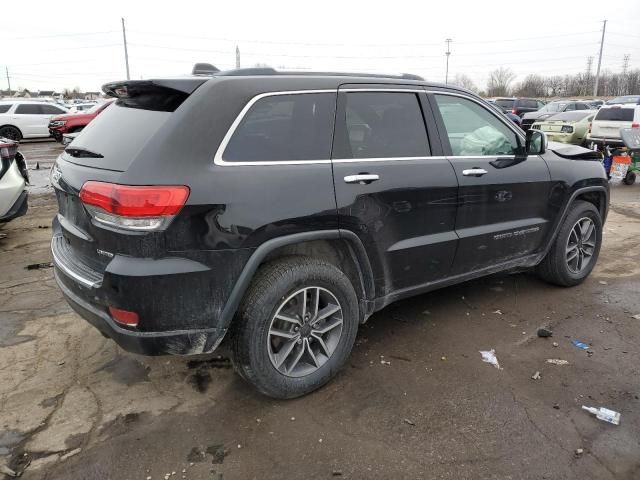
[32,37]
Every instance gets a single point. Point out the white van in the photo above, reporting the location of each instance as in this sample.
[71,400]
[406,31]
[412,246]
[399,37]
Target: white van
[605,128]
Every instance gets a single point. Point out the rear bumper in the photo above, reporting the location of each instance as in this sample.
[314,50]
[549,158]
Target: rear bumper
[18,209]
[602,142]
[174,342]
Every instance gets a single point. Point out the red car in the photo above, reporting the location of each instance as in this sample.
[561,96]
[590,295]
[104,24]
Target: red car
[75,122]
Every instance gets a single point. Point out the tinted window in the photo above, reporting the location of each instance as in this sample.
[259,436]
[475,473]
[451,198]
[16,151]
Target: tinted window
[615,114]
[5,108]
[285,128]
[582,106]
[505,103]
[474,130]
[529,104]
[383,125]
[51,110]
[29,109]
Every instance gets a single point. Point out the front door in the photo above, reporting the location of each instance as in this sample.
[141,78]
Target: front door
[394,189]
[503,210]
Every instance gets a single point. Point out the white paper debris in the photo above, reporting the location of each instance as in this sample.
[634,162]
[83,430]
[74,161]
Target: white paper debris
[557,361]
[490,357]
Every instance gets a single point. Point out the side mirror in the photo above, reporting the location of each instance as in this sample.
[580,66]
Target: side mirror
[536,142]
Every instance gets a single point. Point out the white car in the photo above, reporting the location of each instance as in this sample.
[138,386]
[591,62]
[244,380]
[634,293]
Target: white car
[27,119]
[13,177]
[606,125]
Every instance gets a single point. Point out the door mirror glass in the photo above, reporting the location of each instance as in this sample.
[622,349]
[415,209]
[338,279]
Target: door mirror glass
[536,142]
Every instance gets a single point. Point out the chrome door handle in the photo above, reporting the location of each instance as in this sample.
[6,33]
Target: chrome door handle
[362,178]
[474,172]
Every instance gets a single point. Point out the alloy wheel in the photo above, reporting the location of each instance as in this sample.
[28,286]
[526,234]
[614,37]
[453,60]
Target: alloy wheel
[305,331]
[581,245]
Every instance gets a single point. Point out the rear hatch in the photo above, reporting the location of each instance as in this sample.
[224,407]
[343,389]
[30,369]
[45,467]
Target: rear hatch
[609,120]
[88,232]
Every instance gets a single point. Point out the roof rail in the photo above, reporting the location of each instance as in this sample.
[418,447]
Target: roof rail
[272,71]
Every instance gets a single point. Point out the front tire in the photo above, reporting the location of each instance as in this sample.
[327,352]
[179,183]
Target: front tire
[576,248]
[295,328]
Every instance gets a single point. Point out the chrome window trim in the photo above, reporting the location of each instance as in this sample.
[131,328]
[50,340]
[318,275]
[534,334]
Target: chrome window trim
[386,159]
[392,90]
[218,160]
[505,121]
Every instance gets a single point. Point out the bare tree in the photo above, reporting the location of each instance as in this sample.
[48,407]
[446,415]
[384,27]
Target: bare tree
[464,81]
[531,86]
[499,81]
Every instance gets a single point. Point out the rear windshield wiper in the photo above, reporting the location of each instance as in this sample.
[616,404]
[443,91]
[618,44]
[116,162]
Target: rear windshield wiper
[82,153]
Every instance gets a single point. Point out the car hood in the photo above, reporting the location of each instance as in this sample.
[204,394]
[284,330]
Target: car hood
[75,116]
[574,152]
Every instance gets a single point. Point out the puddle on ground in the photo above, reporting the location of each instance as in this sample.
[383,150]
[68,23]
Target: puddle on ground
[8,440]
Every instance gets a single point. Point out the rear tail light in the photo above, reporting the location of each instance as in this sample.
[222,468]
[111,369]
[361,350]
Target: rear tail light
[124,317]
[635,125]
[143,208]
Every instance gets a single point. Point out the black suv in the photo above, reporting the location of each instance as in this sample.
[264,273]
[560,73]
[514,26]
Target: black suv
[282,210]
[518,106]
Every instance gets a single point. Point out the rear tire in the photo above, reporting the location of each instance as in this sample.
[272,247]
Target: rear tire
[284,359]
[10,132]
[629,178]
[575,249]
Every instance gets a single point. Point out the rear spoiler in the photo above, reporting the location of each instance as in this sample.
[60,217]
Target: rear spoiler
[163,95]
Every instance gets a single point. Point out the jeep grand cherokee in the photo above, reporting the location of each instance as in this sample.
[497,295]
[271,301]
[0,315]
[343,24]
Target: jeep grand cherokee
[282,210]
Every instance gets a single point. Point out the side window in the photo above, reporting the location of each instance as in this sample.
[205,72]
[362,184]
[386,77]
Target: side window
[539,104]
[582,106]
[5,108]
[382,125]
[570,107]
[29,109]
[530,104]
[474,130]
[284,128]
[52,110]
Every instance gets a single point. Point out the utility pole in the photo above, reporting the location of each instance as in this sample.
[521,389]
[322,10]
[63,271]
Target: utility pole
[126,53]
[447,53]
[237,57]
[6,69]
[587,80]
[595,88]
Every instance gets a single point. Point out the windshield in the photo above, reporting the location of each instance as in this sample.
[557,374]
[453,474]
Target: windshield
[571,116]
[553,107]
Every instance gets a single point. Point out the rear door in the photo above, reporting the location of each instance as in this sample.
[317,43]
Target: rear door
[394,189]
[502,214]
[27,118]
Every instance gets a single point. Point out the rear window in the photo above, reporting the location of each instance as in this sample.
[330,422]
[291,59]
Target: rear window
[505,103]
[284,128]
[615,114]
[118,134]
[5,108]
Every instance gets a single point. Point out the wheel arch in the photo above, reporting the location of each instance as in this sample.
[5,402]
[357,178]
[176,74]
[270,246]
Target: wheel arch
[596,195]
[341,248]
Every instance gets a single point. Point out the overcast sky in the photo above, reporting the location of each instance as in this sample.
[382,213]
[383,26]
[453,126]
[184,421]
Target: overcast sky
[79,43]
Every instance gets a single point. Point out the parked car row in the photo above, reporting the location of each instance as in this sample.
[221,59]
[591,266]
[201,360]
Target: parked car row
[27,119]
